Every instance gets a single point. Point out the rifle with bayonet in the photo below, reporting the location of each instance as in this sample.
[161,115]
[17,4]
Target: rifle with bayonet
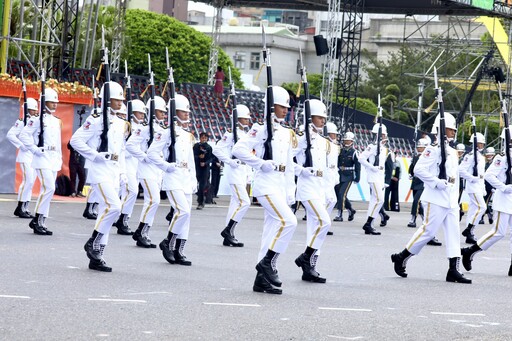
[235,111]
[42,109]
[129,107]
[308,162]
[379,133]
[94,97]
[475,147]
[269,103]
[105,100]
[171,94]
[442,128]
[151,102]
[25,104]
[504,112]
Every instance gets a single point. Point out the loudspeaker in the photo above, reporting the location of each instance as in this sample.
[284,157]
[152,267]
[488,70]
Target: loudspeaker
[320,45]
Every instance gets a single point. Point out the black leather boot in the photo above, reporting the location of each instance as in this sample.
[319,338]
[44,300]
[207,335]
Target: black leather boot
[89,212]
[468,233]
[351,214]
[99,265]
[93,254]
[180,257]
[453,274]
[168,250]
[262,285]
[229,235]
[412,222]
[368,229]
[305,261]
[122,225]
[400,262]
[435,242]
[140,238]
[37,224]
[510,270]
[467,255]
[25,209]
[19,212]
[267,267]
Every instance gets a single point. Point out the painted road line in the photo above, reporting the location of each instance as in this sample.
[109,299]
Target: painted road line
[459,314]
[232,304]
[15,296]
[116,300]
[345,309]
[345,337]
[149,293]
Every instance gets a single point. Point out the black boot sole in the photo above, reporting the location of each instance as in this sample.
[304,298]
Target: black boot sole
[99,267]
[313,279]
[229,241]
[125,232]
[267,290]
[260,269]
[457,278]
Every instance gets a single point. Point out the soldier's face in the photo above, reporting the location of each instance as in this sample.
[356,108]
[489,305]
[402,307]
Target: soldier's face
[489,157]
[116,104]
[160,115]
[33,113]
[420,149]
[318,121]
[450,133]
[280,111]
[138,115]
[480,146]
[347,142]
[244,121]
[51,105]
[182,115]
[333,136]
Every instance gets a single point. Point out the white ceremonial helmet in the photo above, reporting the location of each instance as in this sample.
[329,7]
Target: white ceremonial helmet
[318,108]
[461,147]
[123,110]
[51,95]
[32,104]
[480,138]
[331,128]
[242,111]
[348,136]
[281,96]
[115,89]
[182,103]
[138,106]
[422,143]
[449,122]
[375,129]
[159,104]
[490,151]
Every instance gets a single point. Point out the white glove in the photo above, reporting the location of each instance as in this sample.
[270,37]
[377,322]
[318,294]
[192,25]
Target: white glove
[123,179]
[507,189]
[172,167]
[102,157]
[38,152]
[307,171]
[474,179]
[374,169]
[386,185]
[234,163]
[441,184]
[267,166]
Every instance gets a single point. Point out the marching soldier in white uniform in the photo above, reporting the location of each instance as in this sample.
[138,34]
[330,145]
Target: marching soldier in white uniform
[502,207]
[24,158]
[440,204]
[475,187]
[105,171]
[131,188]
[312,184]
[332,177]
[235,172]
[274,187]
[149,175]
[179,180]
[47,160]
[375,177]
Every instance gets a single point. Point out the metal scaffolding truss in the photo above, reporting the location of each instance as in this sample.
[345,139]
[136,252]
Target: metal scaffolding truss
[349,58]
[214,47]
[329,71]
[52,32]
[117,39]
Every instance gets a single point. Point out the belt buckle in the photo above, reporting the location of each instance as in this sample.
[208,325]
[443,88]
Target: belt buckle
[281,168]
[319,173]
[114,157]
[451,180]
[183,164]
[51,148]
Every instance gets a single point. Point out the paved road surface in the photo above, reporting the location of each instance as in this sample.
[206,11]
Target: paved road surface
[47,292]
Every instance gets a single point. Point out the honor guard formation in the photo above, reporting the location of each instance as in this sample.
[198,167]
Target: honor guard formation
[148,144]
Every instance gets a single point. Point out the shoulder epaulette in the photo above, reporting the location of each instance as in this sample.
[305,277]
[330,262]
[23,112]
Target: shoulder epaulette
[502,154]
[229,130]
[260,123]
[163,125]
[300,133]
[434,144]
[144,124]
[95,115]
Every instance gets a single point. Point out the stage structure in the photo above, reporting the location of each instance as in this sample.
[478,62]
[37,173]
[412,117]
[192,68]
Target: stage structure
[214,47]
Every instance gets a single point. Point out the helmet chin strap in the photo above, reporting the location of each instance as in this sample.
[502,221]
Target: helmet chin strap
[184,123]
[49,110]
